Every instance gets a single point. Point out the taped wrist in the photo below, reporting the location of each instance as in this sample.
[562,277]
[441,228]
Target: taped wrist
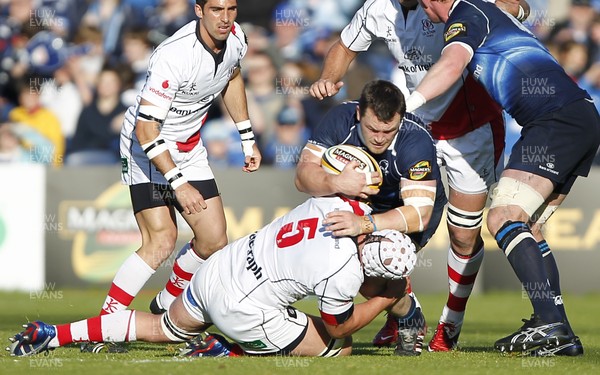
[175,178]
[247,136]
[522,16]
[154,147]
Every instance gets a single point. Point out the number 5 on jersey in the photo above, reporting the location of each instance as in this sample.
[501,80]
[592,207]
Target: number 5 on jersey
[288,236]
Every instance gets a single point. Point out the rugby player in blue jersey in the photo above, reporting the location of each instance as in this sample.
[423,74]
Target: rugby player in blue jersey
[560,136]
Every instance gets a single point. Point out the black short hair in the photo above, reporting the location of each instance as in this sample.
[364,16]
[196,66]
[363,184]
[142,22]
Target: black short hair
[384,98]
[202,3]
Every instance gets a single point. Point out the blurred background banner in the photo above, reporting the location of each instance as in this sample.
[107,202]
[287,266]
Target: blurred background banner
[22,227]
[94,230]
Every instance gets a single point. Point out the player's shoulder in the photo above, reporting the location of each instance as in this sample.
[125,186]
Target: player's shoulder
[376,7]
[185,35]
[413,130]
[238,36]
[341,116]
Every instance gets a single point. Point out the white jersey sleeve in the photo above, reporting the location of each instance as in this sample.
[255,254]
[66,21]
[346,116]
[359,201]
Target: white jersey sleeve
[336,293]
[163,79]
[356,36]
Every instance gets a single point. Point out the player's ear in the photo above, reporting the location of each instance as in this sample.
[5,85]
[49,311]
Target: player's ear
[198,10]
[357,113]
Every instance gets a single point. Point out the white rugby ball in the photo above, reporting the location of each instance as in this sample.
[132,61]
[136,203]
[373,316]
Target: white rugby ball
[336,157]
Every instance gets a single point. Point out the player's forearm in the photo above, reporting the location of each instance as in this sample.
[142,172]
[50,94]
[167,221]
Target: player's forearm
[363,314]
[442,75]
[313,180]
[147,133]
[405,219]
[234,98]
[337,62]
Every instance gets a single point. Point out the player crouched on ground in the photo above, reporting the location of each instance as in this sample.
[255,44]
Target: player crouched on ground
[246,290]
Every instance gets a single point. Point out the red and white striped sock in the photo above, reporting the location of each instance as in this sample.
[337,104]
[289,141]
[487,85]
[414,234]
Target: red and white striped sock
[186,264]
[117,327]
[462,271]
[130,278]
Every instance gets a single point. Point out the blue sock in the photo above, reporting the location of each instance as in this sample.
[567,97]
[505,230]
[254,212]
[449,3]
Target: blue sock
[523,254]
[553,277]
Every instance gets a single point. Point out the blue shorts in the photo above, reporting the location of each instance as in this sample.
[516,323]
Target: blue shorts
[560,145]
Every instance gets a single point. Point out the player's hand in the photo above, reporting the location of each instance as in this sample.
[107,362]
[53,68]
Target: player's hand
[324,88]
[190,199]
[252,162]
[343,223]
[354,183]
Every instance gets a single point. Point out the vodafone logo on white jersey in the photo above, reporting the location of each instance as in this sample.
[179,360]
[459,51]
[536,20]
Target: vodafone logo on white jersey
[160,93]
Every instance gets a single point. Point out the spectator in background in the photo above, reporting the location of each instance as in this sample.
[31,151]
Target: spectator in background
[573,57]
[284,149]
[96,139]
[63,96]
[576,26]
[287,23]
[23,144]
[169,17]
[109,16]
[30,112]
[136,54]
[261,75]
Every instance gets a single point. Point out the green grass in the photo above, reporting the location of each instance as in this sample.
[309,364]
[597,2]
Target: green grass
[490,316]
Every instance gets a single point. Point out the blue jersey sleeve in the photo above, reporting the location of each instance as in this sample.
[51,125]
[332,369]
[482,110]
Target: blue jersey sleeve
[466,27]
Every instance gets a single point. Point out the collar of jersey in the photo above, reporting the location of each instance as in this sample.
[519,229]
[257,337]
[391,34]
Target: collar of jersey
[218,57]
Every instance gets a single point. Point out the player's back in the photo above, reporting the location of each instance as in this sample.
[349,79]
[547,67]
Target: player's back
[513,65]
[293,257]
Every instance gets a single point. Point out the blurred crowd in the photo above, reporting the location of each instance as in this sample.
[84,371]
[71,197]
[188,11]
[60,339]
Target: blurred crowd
[69,69]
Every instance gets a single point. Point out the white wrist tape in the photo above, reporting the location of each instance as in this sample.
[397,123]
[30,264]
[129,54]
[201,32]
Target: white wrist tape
[247,136]
[152,113]
[154,147]
[175,178]
[414,101]
[521,16]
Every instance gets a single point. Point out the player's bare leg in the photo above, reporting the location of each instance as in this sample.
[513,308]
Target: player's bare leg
[465,255]
[159,233]
[210,235]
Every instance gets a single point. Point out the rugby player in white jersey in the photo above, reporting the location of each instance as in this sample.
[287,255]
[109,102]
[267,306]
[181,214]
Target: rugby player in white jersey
[164,161]
[246,290]
[465,122]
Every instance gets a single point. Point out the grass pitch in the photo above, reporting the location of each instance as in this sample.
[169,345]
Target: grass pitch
[489,317]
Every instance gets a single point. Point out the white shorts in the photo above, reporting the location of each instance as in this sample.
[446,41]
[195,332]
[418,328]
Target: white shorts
[256,329]
[137,169]
[469,160]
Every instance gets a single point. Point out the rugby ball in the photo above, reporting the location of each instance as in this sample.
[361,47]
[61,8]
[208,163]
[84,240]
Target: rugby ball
[336,157]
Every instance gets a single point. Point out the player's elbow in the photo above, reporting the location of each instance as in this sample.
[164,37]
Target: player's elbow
[339,331]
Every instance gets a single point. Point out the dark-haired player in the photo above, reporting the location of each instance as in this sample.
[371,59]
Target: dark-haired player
[164,160]
[411,198]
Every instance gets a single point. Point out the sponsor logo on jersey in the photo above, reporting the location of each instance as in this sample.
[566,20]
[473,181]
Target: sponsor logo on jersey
[419,170]
[165,84]
[160,93]
[389,37]
[256,344]
[427,27]
[252,266]
[454,30]
[191,91]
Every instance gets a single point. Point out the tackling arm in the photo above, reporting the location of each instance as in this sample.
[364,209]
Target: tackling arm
[441,76]
[335,66]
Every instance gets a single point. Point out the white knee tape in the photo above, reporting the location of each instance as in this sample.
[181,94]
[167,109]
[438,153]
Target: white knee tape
[173,332]
[511,192]
[464,219]
[333,349]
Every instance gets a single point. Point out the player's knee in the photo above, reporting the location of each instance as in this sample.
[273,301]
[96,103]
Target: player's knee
[159,247]
[495,220]
[464,241]
[207,247]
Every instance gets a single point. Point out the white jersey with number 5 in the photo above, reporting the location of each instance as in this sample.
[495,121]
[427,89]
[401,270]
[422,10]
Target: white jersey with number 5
[184,78]
[293,257]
